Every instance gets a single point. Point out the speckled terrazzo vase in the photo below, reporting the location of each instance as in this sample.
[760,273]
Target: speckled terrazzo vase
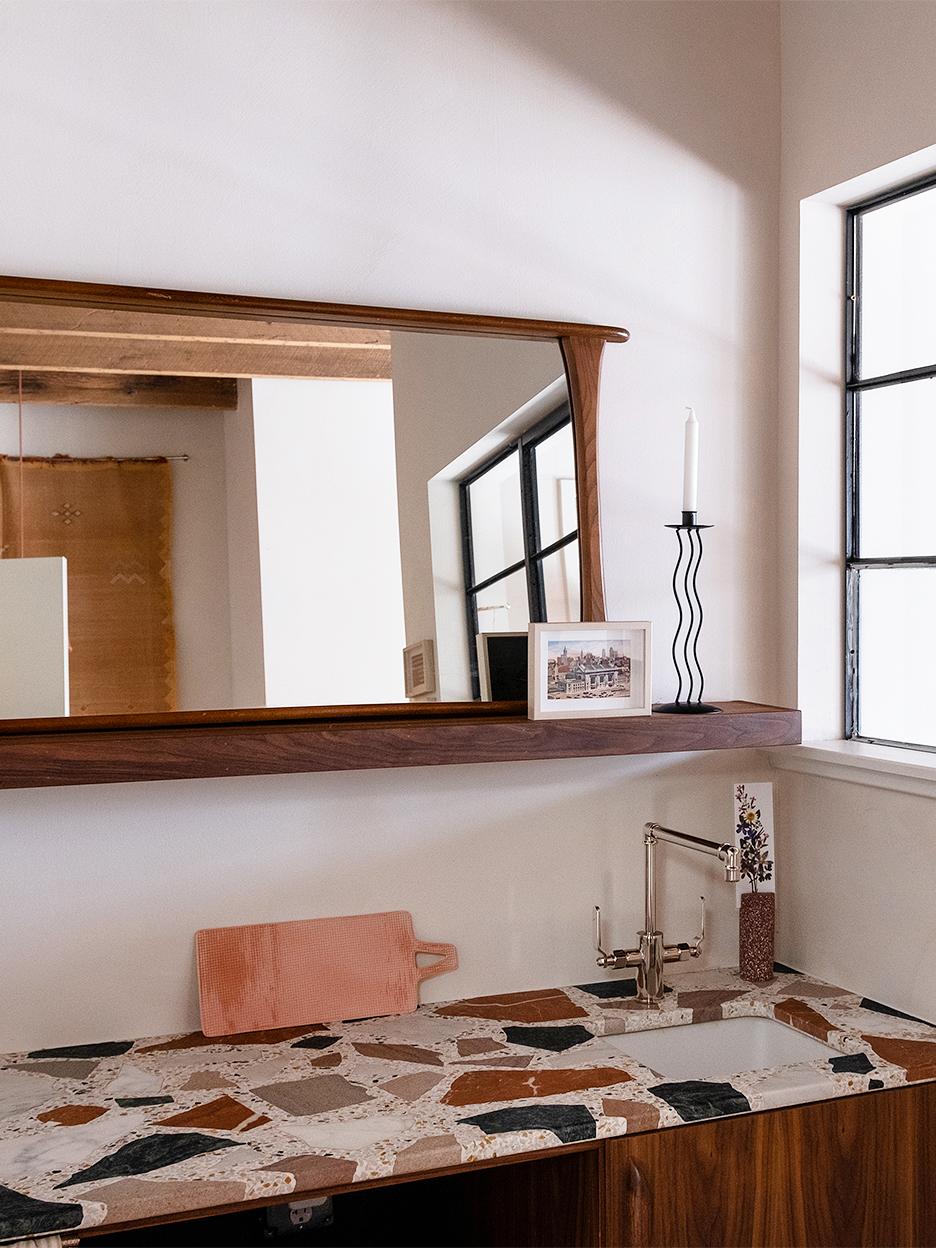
[756,937]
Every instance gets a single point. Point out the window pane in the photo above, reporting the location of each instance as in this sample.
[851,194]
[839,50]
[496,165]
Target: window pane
[555,486]
[898,451]
[898,277]
[496,519]
[561,583]
[502,607]
[896,672]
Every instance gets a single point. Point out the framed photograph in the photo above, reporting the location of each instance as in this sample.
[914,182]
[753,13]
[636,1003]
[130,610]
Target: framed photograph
[589,669]
[503,666]
[419,674]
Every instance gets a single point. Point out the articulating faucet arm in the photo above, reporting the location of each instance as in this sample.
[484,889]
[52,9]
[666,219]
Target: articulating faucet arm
[728,854]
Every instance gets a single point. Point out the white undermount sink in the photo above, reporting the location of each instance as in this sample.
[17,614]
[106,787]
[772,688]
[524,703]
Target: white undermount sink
[727,1046]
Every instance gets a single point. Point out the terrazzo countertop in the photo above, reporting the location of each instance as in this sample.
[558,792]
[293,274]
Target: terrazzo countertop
[124,1130]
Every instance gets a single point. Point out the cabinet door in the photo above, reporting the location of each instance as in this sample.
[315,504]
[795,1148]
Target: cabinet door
[685,1185]
[856,1172]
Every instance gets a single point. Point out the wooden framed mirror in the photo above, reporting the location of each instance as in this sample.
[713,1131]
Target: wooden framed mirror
[81,346]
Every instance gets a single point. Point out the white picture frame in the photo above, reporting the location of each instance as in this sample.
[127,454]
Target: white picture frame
[585,670]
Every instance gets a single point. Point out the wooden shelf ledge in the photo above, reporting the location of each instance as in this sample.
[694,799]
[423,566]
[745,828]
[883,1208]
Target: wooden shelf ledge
[194,746]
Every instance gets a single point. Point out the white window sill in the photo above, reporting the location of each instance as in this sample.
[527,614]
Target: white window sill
[881,766]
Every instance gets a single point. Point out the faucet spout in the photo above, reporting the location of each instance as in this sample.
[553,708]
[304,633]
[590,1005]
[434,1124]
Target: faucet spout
[732,861]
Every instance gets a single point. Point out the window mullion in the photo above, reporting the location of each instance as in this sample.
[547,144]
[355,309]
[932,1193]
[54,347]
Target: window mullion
[852,671]
[529,501]
[471,601]
[852,303]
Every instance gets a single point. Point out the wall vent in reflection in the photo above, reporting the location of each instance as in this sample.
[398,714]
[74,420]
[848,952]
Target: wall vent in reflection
[419,670]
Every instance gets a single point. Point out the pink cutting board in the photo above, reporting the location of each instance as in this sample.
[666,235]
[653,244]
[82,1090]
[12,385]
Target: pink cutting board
[270,975]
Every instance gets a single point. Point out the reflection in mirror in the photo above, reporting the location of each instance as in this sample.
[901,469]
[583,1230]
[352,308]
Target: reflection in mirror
[312,501]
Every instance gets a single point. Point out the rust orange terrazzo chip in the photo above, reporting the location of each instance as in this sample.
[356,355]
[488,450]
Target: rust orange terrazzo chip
[73,1115]
[804,1018]
[485,1087]
[545,1006]
[222,1114]
[917,1057]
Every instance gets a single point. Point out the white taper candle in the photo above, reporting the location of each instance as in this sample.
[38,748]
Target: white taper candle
[691,464]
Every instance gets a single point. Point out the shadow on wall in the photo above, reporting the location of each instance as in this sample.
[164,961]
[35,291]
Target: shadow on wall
[655,60]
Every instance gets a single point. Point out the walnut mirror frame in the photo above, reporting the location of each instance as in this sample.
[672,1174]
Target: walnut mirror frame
[581,349]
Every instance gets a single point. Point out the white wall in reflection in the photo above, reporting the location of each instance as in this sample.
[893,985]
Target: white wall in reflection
[326,486]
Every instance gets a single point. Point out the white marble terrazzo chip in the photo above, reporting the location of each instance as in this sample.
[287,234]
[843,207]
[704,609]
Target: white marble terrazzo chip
[134,1082]
[64,1148]
[883,1024]
[794,1086]
[20,1092]
[595,1053]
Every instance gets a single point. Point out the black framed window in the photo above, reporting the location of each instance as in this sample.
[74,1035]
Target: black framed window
[520,535]
[890,392]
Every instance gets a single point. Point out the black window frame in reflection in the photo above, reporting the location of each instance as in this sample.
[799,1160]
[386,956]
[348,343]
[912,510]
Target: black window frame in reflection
[855,387]
[533,553]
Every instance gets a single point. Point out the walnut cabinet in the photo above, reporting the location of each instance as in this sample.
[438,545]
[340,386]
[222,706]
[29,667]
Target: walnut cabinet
[853,1171]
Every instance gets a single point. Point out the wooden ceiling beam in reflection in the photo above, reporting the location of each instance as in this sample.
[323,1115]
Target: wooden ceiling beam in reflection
[119,390]
[37,336]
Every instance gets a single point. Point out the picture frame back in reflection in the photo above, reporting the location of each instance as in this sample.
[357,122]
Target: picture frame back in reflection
[503,664]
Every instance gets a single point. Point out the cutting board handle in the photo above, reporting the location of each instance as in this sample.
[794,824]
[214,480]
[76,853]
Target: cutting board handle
[449,961]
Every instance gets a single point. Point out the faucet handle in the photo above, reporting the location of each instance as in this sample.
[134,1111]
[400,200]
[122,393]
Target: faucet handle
[619,958]
[693,949]
[696,948]
[597,940]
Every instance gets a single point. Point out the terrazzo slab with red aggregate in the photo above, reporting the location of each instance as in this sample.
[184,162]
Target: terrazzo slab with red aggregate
[111,1133]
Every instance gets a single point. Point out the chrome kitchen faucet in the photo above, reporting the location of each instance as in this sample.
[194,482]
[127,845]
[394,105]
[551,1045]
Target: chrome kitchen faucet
[651,954]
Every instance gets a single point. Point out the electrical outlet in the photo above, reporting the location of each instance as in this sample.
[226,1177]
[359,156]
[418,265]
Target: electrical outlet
[310,1211]
[297,1216]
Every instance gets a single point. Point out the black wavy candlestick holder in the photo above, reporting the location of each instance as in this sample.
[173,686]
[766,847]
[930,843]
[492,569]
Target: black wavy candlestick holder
[686,640]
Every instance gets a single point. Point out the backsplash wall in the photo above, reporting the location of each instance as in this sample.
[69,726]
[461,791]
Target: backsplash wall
[506,860]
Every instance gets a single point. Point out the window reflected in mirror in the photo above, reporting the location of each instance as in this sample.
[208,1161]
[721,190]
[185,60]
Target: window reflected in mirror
[519,530]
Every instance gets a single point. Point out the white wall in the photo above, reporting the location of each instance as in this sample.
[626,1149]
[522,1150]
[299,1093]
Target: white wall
[858,94]
[603,162]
